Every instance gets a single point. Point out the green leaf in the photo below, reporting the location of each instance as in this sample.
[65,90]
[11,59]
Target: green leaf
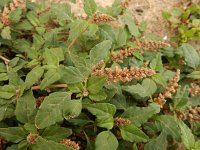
[2,67]
[121,38]
[31,128]
[91,31]
[70,75]
[33,76]
[150,86]
[81,64]
[133,134]
[159,143]
[6,110]
[50,77]
[77,27]
[104,114]
[108,33]
[156,63]
[100,52]
[42,144]
[56,133]
[169,125]
[22,45]
[139,115]
[191,56]
[98,96]
[106,140]
[95,84]
[3,76]
[7,91]
[62,12]
[90,7]
[26,108]
[187,136]
[24,25]
[137,89]
[181,99]
[76,88]
[38,42]
[6,33]
[194,75]
[147,88]
[50,110]
[50,58]
[32,17]
[13,134]
[15,15]
[128,20]
[72,109]
[197,144]
[159,79]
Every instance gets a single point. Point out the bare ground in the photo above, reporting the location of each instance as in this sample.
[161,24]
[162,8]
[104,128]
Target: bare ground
[143,10]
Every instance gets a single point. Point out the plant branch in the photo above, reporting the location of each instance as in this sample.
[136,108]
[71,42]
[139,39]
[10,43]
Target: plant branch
[34,88]
[6,61]
[75,39]
[37,87]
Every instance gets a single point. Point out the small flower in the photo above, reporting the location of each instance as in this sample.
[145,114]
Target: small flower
[70,143]
[32,138]
[119,121]
[101,18]
[171,88]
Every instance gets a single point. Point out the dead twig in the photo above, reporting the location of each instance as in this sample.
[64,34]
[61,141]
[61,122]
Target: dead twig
[6,61]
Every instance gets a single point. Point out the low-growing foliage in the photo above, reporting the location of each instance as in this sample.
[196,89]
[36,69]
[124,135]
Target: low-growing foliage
[94,83]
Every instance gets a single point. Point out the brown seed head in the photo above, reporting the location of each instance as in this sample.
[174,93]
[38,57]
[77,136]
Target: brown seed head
[32,138]
[118,56]
[119,121]
[101,18]
[191,114]
[194,89]
[124,75]
[151,45]
[171,88]
[70,143]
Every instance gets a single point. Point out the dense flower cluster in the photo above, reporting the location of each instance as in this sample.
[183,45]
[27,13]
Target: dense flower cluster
[4,15]
[169,90]
[124,75]
[101,18]
[151,45]
[70,143]
[194,89]
[118,56]
[191,114]
[119,121]
[32,138]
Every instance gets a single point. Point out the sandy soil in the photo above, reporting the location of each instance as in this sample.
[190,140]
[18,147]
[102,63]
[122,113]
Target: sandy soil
[148,10]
